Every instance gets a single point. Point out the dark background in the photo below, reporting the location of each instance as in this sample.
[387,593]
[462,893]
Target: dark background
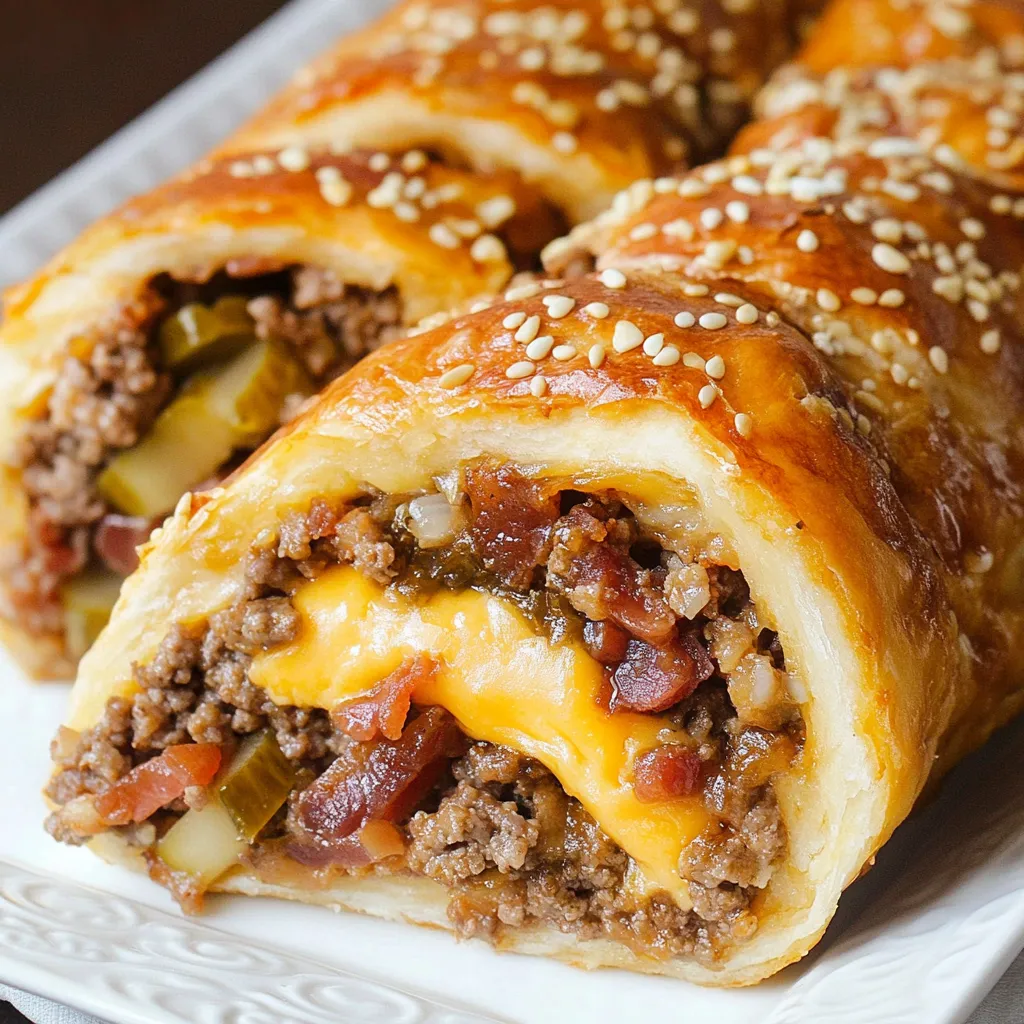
[74,71]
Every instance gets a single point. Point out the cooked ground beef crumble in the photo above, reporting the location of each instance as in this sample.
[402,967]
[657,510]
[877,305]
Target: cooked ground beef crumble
[496,829]
[106,399]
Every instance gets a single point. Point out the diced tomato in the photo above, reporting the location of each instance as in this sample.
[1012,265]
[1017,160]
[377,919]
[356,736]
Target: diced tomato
[383,711]
[155,783]
[666,773]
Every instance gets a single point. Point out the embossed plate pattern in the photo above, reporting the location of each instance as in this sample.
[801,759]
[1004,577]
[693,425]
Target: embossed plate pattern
[918,941]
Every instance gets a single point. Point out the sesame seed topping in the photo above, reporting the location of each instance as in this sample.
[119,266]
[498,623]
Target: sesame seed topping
[559,305]
[828,300]
[293,158]
[522,291]
[744,424]
[442,235]
[540,347]
[972,228]
[513,320]
[737,211]
[684,319]
[807,241]
[892,298]
[711,218]
[719,252]
[595,356]
[728,299]
[495,211]
[747,313]
[864,296]
[654,344]
[612,278]
[990,342]
[335,191]
[712,321]
[938,358]
[715,367]
[528,329]
[564,352]
[668,356]
[456,375]
[598,310]
[565,142]
[538,386]
[519,370]
[888,229]
[695,290]
[413,161]
[890,259]
[693,360]
[707,395]
[626,336]
[379,162]
[643,231]
[487,249]
[747,184]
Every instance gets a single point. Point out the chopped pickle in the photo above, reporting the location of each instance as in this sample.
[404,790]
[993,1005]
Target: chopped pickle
[198,335]
[88,601]
[203,843]
[257,783]
[233,406]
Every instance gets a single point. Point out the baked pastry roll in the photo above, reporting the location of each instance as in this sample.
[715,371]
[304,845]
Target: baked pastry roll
[324,214]
[621,621]
[178,333]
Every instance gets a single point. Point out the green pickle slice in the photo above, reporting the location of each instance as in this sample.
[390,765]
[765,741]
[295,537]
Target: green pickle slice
[257,783]
[235,405]
[88,600]
[198,335]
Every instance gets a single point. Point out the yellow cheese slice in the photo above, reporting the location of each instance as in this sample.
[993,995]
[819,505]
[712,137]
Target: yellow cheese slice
[503,683]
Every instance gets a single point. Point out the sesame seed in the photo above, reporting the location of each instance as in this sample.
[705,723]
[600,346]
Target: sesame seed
[711,218]
[772,319]
[828,300]
[335,191]
[737,211]
[643,231]
[626,336]
[950,287]
[990,342]
[528,330]
[972,228]
[442,235]
[564,352]
[564,142]
[262,164]
[240,169]
[519,370]
[863,424]
[715,367]
[693,360]
[728,299]
[513,320]
[747,184]
[712,321]
[293,158]
[707,395]
[979,561]
[598,310]
[888,229]
[693,188]
[890,259]
[684,319]
[654,344]
[695,290]
[1000,204]
[495,211]
[406,212]
[719,253]
[596,355]
[744,424]
[538,386]
[379,162]
[540,347]
[747,313]
[864,296]
[612,278]
[456,375]
[413,161]
[892,298]
[668,356]
[487,249]
[559,305]
[938,358]
[678,228]
[807,241]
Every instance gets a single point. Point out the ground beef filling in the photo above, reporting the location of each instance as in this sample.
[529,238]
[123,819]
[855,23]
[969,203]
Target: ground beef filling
[495,827]
[106,399]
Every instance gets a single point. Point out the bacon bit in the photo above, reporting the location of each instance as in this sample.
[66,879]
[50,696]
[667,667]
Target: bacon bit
[605,641]
[383,782]
[654,678]
[612,586]
[116,539]
[383,711]
[157,782]
[665,773]
[512,521]
[375,841]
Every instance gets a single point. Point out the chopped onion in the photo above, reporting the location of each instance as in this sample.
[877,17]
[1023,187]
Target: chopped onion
[730,641]
[433,521]
[451,485]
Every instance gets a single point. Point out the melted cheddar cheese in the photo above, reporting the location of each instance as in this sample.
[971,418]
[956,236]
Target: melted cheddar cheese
[503,683]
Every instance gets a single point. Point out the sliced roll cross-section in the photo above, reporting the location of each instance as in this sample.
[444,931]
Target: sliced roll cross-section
[619,621]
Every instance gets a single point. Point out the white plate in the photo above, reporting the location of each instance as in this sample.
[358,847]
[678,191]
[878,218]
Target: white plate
[919,941]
